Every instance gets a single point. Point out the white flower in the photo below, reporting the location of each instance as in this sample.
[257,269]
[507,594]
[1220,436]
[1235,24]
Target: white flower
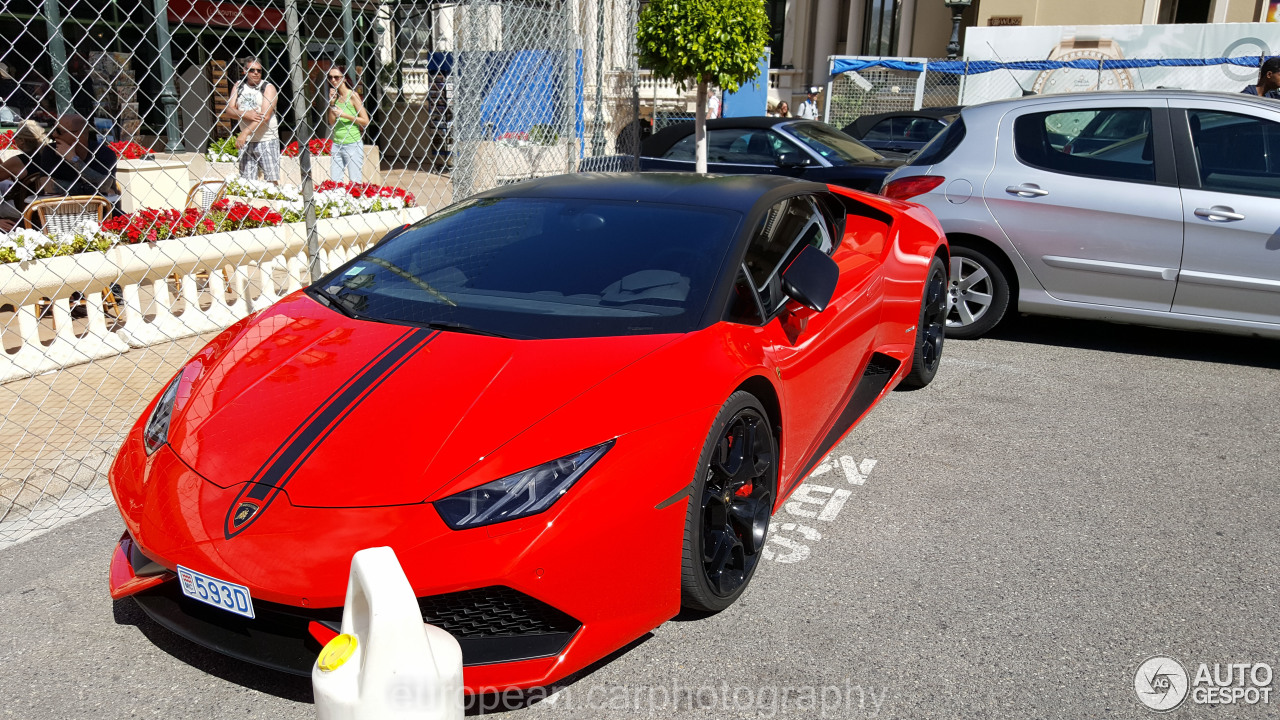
[24,243]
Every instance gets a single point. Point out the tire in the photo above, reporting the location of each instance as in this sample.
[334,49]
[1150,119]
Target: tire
[932,328]
[978,293]
[730,506]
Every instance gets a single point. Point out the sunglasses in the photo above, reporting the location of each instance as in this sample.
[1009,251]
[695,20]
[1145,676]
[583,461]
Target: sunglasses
[254,69]
[335,77]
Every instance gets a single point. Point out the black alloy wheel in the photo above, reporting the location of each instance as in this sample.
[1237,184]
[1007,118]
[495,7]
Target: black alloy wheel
[931,331]
[731,506]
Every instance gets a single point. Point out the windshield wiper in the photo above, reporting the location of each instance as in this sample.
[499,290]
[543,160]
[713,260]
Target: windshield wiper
[332,301]
[452,326]
[411,278]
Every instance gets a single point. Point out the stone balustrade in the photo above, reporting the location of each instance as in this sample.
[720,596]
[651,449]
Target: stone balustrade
[251,262]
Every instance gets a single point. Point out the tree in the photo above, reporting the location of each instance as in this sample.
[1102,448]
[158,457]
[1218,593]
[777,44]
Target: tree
[702,42]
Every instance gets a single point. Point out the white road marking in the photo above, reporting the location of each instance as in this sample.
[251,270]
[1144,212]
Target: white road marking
[797,551]
[832,508]
[856,474]
[819,502]
[828,507]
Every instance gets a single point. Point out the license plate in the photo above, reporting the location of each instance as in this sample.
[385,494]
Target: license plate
[218,593]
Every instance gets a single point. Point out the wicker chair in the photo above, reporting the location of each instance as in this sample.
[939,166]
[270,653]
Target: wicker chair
[61,214]
[205,193]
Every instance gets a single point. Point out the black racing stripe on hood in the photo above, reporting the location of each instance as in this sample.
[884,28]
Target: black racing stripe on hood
[276,472]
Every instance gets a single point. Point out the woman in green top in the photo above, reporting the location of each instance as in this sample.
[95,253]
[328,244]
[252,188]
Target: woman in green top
[348,115]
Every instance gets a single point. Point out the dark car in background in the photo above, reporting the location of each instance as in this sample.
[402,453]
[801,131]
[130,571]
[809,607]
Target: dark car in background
[771,146]
[901,132]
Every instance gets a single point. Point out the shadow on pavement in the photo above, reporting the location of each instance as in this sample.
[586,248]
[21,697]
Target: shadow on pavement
[504,702]
[1139,340]
[265,680]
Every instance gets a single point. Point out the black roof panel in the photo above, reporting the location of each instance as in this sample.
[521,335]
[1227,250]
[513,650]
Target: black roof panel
[732,192]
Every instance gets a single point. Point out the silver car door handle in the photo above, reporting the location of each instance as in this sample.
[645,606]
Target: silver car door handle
[1026,190]
[1219,213]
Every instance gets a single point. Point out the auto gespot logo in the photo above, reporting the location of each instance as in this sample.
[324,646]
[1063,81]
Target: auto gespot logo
[1162,683]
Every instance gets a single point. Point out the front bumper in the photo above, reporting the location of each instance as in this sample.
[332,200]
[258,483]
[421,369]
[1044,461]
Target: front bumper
[492,625]
[530,601]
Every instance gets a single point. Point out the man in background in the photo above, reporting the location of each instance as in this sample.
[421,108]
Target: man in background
[809,108]
[77,163]
[253,103]
[1268,80]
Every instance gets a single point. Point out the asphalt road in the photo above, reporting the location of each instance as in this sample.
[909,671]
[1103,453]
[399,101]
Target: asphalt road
[1065,501]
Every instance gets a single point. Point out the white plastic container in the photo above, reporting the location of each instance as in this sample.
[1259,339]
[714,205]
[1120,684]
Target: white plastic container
[386,663]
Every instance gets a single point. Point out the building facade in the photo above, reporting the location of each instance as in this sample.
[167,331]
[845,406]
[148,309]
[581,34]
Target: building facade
[806,32]
[153,68]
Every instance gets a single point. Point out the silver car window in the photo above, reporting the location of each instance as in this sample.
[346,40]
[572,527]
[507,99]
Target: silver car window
[1236,153]
[1106,143]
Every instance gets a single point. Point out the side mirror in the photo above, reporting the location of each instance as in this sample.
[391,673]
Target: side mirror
[793,160]
[811,279]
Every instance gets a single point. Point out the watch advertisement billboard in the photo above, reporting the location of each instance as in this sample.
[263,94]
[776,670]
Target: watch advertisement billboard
[1085,44]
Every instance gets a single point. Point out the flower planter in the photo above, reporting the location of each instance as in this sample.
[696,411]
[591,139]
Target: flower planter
[162,182]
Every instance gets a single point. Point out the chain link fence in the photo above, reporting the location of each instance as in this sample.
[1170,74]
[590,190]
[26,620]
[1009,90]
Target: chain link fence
[871,85]
[171,166]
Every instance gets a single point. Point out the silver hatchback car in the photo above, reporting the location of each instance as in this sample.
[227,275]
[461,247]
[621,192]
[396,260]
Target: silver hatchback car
[1153,207]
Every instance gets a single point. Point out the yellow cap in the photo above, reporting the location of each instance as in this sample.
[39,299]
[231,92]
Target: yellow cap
[336,652]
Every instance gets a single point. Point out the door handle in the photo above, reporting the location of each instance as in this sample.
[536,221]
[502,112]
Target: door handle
[1026,190]
[1219,213]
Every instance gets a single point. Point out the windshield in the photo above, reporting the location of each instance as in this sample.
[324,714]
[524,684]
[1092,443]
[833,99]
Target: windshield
[542,268]
[835,146]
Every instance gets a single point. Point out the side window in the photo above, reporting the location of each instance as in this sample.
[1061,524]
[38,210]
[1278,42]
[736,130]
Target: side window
[1236,153]
[882,130]
[788,226]
[1108,144]
[744,305]
[682,150]
[921,129]
[741,146]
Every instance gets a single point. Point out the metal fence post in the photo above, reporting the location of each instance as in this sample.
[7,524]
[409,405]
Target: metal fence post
[348,38]
[301,130]
[920,83]
[597,134]
[826,102]
[168,93]
[57,56]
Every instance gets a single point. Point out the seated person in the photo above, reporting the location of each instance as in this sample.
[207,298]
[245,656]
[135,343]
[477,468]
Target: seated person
[77,163]
[20,182]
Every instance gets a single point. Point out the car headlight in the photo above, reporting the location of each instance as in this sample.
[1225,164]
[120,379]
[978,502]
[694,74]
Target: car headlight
[156,432]
[520,495]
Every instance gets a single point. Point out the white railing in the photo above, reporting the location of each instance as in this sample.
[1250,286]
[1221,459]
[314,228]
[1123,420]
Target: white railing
[662,89]
[783,79]
[251,261]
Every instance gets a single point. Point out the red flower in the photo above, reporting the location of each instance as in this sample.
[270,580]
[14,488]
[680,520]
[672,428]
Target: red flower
[320,146]
[291,150]
[129,150]
[238,212]
[6,138]
[221,206]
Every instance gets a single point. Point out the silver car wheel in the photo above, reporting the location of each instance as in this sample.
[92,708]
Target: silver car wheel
[969,294]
